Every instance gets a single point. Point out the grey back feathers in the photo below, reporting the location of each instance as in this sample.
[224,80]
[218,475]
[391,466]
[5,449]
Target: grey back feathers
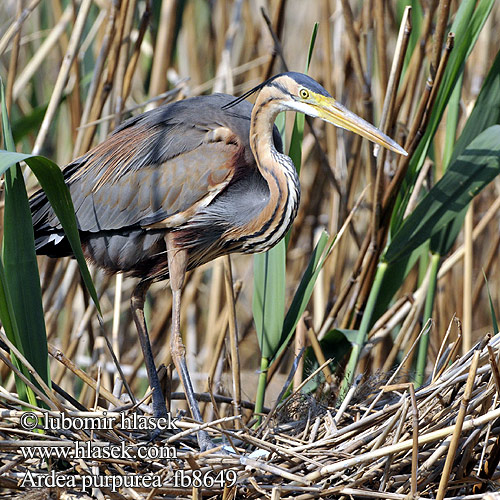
[154,166]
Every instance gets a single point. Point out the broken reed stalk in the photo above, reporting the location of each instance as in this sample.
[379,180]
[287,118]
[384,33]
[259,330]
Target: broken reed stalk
[494,368]
[437,47]
[439,363]
[402,446]
[370,266]
[57,354]
[418,128]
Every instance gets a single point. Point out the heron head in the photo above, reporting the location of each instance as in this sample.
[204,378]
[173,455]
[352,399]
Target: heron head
[299,92]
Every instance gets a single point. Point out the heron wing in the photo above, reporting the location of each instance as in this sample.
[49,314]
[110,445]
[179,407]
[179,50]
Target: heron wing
[165,189]
[157,169]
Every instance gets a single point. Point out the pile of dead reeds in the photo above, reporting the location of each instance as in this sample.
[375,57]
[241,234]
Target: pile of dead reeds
[386,440]
[120,61]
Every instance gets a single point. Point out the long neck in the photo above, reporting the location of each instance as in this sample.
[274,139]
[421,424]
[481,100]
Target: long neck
[277,169]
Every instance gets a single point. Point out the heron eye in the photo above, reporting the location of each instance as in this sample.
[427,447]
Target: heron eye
[304,93]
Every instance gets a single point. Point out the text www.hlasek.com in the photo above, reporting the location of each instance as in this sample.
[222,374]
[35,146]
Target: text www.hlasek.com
[91,450]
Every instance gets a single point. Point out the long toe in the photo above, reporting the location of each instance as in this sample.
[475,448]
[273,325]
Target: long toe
[205,443]
[154,435]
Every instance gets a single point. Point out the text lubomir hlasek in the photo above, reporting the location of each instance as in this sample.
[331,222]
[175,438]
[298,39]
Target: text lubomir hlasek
[104,421]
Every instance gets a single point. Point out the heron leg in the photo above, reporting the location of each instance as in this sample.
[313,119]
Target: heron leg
[137,304]
[177,263]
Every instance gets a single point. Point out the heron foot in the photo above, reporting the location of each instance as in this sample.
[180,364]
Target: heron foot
[153,436]
[204,441]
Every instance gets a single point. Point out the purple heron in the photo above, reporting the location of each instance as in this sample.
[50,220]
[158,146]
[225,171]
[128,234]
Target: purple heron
[187,182]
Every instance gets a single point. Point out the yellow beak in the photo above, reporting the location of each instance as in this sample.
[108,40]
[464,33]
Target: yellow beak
[330,110]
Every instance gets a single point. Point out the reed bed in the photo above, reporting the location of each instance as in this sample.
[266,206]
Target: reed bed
[385,441]
[74,70]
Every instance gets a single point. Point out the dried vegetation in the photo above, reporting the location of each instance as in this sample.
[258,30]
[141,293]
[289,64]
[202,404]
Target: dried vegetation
[74,70]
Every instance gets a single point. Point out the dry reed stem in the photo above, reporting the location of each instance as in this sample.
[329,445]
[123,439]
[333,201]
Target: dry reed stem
[411,79]
[419,125]
[233,336]
[437,47]
[489,262]
[11,77]
[401,365]
[84,137]
[439,362]
[443,484]
[222,326]
[46,395]
[128,9]
[458,254]
[422,176]
[120,376]
[17,25]
[387,116]
[110,51]
[299,346]
[318,352]
[63,75]
[276,26]
[334,240]
[468,277]
[134,58]
[414,454]
[354,45]
[410,321]
[381,36]
[401,309]
[164,47]
[495,374]
[89,381]
[402,446]
[116,317]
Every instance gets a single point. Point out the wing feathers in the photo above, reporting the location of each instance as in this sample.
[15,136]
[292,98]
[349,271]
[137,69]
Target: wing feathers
[158,169]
